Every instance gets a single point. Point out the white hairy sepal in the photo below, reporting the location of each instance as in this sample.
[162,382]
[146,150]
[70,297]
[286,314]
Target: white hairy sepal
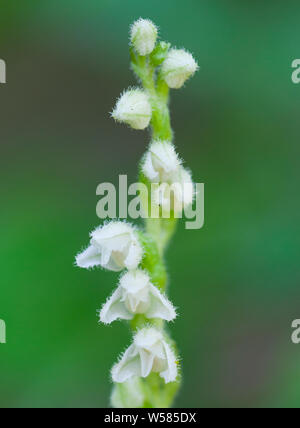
[178,67]
[149,353]
[136,295]
[129,394]
[161,161]
[143,36]
[114,246]
[133,108]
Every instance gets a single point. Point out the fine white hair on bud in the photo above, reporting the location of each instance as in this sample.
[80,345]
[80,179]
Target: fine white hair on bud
[161,161]
[143,36]
[114,246]
[178,67]
[149,353]
[136,295]
[133,108]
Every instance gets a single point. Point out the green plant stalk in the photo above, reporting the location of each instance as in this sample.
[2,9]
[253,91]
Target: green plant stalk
[159,231]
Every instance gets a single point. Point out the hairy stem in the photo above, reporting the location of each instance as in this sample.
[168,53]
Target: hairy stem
[159,231]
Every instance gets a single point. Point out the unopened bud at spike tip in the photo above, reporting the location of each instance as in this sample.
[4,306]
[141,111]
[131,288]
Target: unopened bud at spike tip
[143,36]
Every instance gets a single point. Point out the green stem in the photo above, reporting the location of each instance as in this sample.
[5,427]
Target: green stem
[162,231]
[159,98]
[159,231]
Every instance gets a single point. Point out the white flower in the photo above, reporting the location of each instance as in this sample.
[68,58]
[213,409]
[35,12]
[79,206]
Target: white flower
[163,166]
[161,161]
[143,36]
[148,353]
[114,246]
[178,67]
[133,108]
[136,295]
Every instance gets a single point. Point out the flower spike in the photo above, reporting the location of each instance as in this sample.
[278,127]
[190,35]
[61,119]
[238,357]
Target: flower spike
[150,362]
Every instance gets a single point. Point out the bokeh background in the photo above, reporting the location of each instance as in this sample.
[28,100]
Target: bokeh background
[236,281]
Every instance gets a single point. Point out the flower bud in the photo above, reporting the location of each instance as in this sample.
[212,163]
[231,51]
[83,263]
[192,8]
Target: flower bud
[148,353]
[178,67]
[133,108]
[161,161]
[143,36]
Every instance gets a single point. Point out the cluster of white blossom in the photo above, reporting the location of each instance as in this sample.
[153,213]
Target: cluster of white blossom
[161,164]
[117,246]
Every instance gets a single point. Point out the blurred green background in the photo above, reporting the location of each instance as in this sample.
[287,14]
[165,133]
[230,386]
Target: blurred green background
[236,281]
